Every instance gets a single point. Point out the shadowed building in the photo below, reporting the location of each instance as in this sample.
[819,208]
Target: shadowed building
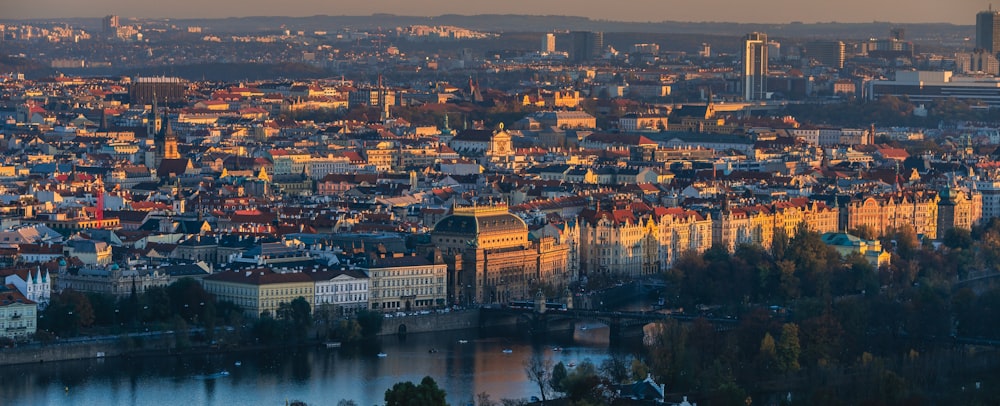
[491,258]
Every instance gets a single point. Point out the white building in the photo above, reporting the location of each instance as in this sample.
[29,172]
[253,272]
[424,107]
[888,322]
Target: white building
[18,315]
[346,291]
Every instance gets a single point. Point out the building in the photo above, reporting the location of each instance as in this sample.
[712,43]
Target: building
[755,66]
[978,61]
[371,97]
[407,283]
[847,244]
[959,209]
[758,224]
[34,284]
[585,45]
[988,31]
[111,280]
[827,53]
[145,90]
[110,24]
[491,258]
[260,291]
[343,291]
[18,315]
[884,213]
[923,87]
[548,42]
[635,240]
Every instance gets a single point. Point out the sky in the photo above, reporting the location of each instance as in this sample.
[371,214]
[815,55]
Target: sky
[745,11]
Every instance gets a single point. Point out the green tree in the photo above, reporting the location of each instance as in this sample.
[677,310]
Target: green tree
[370,323]
[407,394]
[559,375]
[788,349]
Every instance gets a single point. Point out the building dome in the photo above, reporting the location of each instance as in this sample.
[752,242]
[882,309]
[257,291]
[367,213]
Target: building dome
[481,220]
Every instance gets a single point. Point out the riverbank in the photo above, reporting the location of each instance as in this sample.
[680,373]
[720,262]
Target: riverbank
[165,343]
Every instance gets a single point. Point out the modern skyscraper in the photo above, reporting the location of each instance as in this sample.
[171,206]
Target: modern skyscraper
[828,53]
[755,66]
[111,24]
[585,45]
[549,42]
[988,31]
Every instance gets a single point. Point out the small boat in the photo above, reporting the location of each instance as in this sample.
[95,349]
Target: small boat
[463,341]
[432,350]
[556,348]
[237,363]
[508,351]
[583,328]
[382,355]
[332,344]
[216,375]
[571,364]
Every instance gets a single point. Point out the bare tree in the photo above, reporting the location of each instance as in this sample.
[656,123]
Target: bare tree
[539,371]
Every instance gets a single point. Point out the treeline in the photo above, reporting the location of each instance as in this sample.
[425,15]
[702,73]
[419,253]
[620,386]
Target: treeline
[893,111]
[178,307]
[834,330]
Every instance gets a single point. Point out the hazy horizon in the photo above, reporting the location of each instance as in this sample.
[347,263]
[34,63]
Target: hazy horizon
[759,11]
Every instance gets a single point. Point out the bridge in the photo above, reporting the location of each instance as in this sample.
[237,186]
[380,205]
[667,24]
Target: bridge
[617,322]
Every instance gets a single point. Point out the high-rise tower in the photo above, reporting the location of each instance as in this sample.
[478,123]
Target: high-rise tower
[755,66]
[988,30]
[549,42]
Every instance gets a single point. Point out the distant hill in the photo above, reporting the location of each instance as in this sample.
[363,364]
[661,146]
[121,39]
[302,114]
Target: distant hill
[528,23]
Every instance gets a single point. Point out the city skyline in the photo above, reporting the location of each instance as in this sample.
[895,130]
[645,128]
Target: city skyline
[762,11]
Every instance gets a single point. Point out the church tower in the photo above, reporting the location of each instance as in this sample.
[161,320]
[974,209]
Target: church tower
[166,142]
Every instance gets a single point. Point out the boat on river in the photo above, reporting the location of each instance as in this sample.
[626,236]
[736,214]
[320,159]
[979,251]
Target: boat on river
[508,351]
[382,355]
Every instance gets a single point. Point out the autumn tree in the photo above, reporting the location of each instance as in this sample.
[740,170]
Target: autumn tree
[787,351]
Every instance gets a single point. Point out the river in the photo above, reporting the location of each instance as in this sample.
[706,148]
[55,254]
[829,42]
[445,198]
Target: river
[464,363]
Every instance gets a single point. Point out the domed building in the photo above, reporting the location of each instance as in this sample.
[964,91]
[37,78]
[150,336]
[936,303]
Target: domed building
[491,259]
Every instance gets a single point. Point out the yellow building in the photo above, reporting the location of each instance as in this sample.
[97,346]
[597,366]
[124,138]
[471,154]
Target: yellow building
[884,213]
[405,283]
[491,259]
[847,244]
[959,209]
[18,315]
[260,290]
[636,240]
[757,225]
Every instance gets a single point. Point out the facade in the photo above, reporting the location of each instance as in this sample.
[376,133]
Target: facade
[758,224]
[847,244]
[491,259]
[884,213]
[34,284]
[346,291]
[988,31]
[637,240]
[828,53]
[260,290]
[548,42]
[755,66]
[407,283]
[977,62]
[585,45]
[112,280]
[146,90]
[926,86]
[959,209]
[18,315]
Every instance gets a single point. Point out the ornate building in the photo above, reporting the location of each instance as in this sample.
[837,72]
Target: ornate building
[491,258]
[635,239]
[883,213]
[758,224]
[959,209]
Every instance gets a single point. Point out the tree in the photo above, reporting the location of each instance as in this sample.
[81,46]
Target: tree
[370,323]
[616,368]
[539,371]
[407,394]
[347,402]
[768,351]
[788,349]
[559,374]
